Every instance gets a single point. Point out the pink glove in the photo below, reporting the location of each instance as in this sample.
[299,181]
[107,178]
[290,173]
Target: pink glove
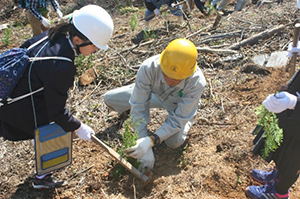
[280,102]
[140,149]
[84,132]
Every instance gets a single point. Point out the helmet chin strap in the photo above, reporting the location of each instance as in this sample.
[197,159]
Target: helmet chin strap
[82,45]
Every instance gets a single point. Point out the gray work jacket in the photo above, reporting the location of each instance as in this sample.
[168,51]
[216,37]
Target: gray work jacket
[181,101]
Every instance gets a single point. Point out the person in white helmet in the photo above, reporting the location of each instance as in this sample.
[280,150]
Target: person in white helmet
[170,80]
[37,14]
[89,29]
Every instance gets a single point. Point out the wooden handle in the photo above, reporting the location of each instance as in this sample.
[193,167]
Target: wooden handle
[121,160]
[292,64]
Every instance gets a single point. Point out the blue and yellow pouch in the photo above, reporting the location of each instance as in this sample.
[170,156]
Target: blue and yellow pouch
[53,148]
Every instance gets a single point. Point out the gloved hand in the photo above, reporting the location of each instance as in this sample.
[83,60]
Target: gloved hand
[147,161]
[45,22]
[60,14]
[173,5]
[140,149]
[292,49]
[280,102]
[84,132]
[157,11]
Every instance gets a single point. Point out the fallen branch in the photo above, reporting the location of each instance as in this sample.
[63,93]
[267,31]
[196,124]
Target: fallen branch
[217,51]
[136,46]
[87,96]
[212,123]
[254,39]
[82,171]
[220,36]
[195,33]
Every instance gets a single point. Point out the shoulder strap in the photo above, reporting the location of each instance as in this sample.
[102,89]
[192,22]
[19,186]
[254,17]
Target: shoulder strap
[37,42]
[32,59]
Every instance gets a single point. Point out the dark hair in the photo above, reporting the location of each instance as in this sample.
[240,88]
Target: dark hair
[64,29]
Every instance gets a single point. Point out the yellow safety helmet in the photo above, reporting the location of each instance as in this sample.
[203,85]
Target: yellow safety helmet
[179,59]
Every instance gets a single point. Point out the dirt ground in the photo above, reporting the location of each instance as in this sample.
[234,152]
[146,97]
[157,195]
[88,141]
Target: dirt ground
[215,161]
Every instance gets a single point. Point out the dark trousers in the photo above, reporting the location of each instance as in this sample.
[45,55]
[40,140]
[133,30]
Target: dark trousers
[12,133]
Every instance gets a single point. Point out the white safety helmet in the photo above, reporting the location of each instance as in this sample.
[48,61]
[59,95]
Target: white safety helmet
[95,23]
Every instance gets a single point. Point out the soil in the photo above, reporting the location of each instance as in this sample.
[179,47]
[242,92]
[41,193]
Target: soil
[216,159]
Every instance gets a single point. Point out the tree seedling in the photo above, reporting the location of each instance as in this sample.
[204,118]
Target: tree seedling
[273,133]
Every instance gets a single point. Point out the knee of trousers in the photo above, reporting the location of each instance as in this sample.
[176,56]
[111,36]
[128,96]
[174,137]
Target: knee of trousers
[175,141]
[179,138]
[106,98]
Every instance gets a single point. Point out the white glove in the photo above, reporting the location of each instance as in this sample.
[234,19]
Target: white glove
[45,22]
[157,11]
[173,5]
[280,102]
[147,161]
[84,132]
[292,49]
[60,14]
[140,149]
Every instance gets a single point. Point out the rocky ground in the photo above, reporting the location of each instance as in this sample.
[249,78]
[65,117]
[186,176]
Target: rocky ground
[216,159]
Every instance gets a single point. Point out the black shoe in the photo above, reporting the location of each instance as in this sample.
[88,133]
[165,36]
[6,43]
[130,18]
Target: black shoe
[48,182]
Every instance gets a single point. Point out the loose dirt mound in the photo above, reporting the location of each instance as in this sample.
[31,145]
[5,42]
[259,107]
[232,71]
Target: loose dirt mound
[216,159]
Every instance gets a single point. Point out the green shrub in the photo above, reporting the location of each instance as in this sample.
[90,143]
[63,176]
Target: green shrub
[84,62]
[134,22]
[6,39]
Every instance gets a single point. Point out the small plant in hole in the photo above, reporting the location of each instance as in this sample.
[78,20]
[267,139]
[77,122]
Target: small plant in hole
[183,160]
[134,22]
[129,139]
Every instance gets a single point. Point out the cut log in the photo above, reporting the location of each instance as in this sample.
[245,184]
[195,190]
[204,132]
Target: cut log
[254,39]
